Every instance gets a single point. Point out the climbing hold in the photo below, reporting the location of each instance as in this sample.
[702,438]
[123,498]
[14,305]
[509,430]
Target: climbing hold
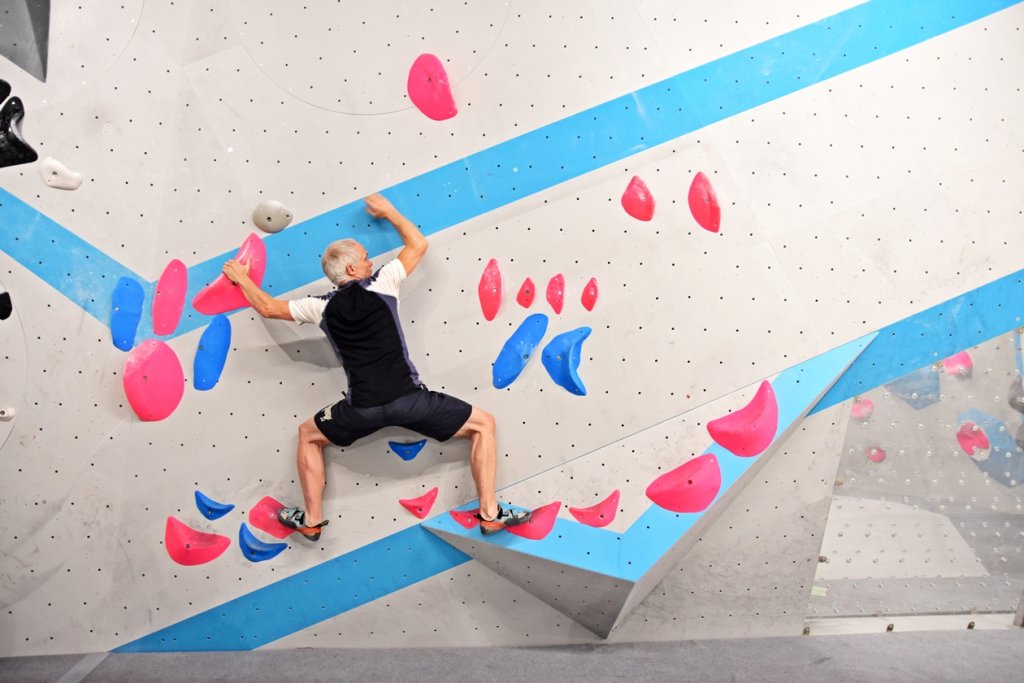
[489,290]
[271,216]
[467,518]
[169,298]
[919,389]
[561,358]
[58,176]
[7,413]
[153,380]
[263,516]
[407,451]
[751,429]
[862,409]
[972,438]
[210,508]
[691,487]
[526,293]
[429,88]
[959,364]
[5,89]
[598,515]
[126,312]
[420,506]
[704,203]
[638,201]
[189,546]
[13,148]
[6,307]
[589,297]
[256,550]
[556,292]
[212,353]
[875,453]
[542,521]
[1004,460]
[222,295]
[518,349]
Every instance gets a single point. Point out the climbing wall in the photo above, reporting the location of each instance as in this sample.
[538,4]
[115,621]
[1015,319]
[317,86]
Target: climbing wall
[862,157]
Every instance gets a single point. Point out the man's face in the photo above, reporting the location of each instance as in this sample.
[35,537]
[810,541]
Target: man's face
[363,268]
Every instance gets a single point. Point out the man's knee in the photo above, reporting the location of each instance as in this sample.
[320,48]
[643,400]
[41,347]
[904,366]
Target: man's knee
[485,421]
[308,431]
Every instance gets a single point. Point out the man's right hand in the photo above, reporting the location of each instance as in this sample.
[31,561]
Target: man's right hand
[379,207]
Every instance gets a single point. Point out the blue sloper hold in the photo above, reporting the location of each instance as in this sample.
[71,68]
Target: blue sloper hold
[407,451]
[126,312]
[256,550]
[210,508]
[1005,462]
[212,353]
[919,389]
[561,358]
[518,349]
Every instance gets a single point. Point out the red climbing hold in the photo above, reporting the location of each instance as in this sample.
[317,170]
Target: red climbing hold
[556,292]
[188,546]
[429,88]
[971,437]
[598,515]
[691,487]
[222,295]
[875,453]
[420,506]
[542,521]
[526,293]
[751,429]
[638,201]
[862,409]
[467,518]
[958,364]
[489,290]
[169,299]
[153,380]
[263,516]
[590,294]
[704,204]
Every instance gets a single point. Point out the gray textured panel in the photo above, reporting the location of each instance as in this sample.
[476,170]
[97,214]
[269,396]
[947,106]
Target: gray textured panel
[25,34]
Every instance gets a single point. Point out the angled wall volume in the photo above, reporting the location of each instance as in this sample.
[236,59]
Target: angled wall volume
[25,35]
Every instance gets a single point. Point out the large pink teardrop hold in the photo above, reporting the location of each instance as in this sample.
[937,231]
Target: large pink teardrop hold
[263,516]
[556,292]
[153,380]
[638,201]
[466,518]
[489,290]
[691,487]
[222,295]
[704,203]
[542,521]
[190,547]
[169,299]
[429,88]
[599,515]
[751,429]
[420,506]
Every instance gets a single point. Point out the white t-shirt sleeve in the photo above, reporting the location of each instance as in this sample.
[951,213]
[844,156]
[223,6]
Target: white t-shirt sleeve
[389,279]
[307,310]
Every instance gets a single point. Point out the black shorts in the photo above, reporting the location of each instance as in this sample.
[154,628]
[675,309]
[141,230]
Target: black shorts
[429,413]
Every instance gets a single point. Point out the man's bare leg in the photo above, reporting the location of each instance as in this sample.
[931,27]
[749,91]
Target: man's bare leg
[310,463]
[483,458]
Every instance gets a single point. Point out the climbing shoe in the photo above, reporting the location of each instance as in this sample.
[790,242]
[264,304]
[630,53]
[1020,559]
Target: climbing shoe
[295,518]
[505,519]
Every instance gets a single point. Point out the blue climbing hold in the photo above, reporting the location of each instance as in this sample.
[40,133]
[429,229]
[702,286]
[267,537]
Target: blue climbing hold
[256,550]
[517,350]
[126,312]
[407,451]
[919,389]
[561,358]
[212,353]
[210,508]
[1005,462]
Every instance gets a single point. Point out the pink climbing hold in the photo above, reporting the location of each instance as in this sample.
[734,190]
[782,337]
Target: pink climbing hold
[169,299]
[429,88]
[420,506]
[222,295]
[556,292]
[153,380]
[190,547]
[862,409]
[598,515]
[467,518]
[875,453]
[589,297]
[972,438]
[638,201]
[263,516]
[691,487]
[542,521]
[751,429]
[704,203]
[959,364]
[526,293]
[489,290]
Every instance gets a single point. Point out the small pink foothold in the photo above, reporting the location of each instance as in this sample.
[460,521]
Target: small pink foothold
[467,518]
[875,453]
[704,204]
[598,515]
[263,516]
[542,521]
[153,380]
[420,506]
[556,292]
[190,547]
[691,487]
[222,295]
[862,409]
[169,299]
[751,429]
[972,438]
[590,294]
[429,88]
[489,290]
[526,293]
[959,364]
[638,201]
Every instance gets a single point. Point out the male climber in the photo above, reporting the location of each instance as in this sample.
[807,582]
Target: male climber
[360,318]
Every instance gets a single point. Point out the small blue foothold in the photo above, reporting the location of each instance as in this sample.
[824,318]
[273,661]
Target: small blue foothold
[561,358]
[517,350]
[212,353]
[256,550]
[126,312]
[210,508]
[407,451]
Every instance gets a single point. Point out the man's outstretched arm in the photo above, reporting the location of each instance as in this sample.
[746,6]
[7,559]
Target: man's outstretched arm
[414,241]
[264,304]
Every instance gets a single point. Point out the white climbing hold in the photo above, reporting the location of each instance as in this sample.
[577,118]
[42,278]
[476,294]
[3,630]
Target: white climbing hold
[7,413]
[271,216]
[57,175]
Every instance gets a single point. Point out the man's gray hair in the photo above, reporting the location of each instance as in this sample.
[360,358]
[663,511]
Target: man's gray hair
[338,257]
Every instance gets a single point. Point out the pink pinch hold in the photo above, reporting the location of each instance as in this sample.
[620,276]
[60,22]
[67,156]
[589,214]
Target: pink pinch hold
[971,437]
[704,203]
[526,293]
[751,429]
[222,295]
[862,409]
[542,521]
[875,453]
[489,290]
[958,364]
[638,201]
[467,518]
[556,292]
[589,297]
[190,547]
[169,299]
[691,487]
[598,515]
[153,380]
[263,516]
[420,506]
[429,88]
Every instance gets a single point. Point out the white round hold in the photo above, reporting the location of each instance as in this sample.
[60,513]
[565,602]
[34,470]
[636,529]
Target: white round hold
[57,175]
[7,413]
[271,216]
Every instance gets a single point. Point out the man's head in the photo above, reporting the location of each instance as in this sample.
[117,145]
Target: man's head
[346,260]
